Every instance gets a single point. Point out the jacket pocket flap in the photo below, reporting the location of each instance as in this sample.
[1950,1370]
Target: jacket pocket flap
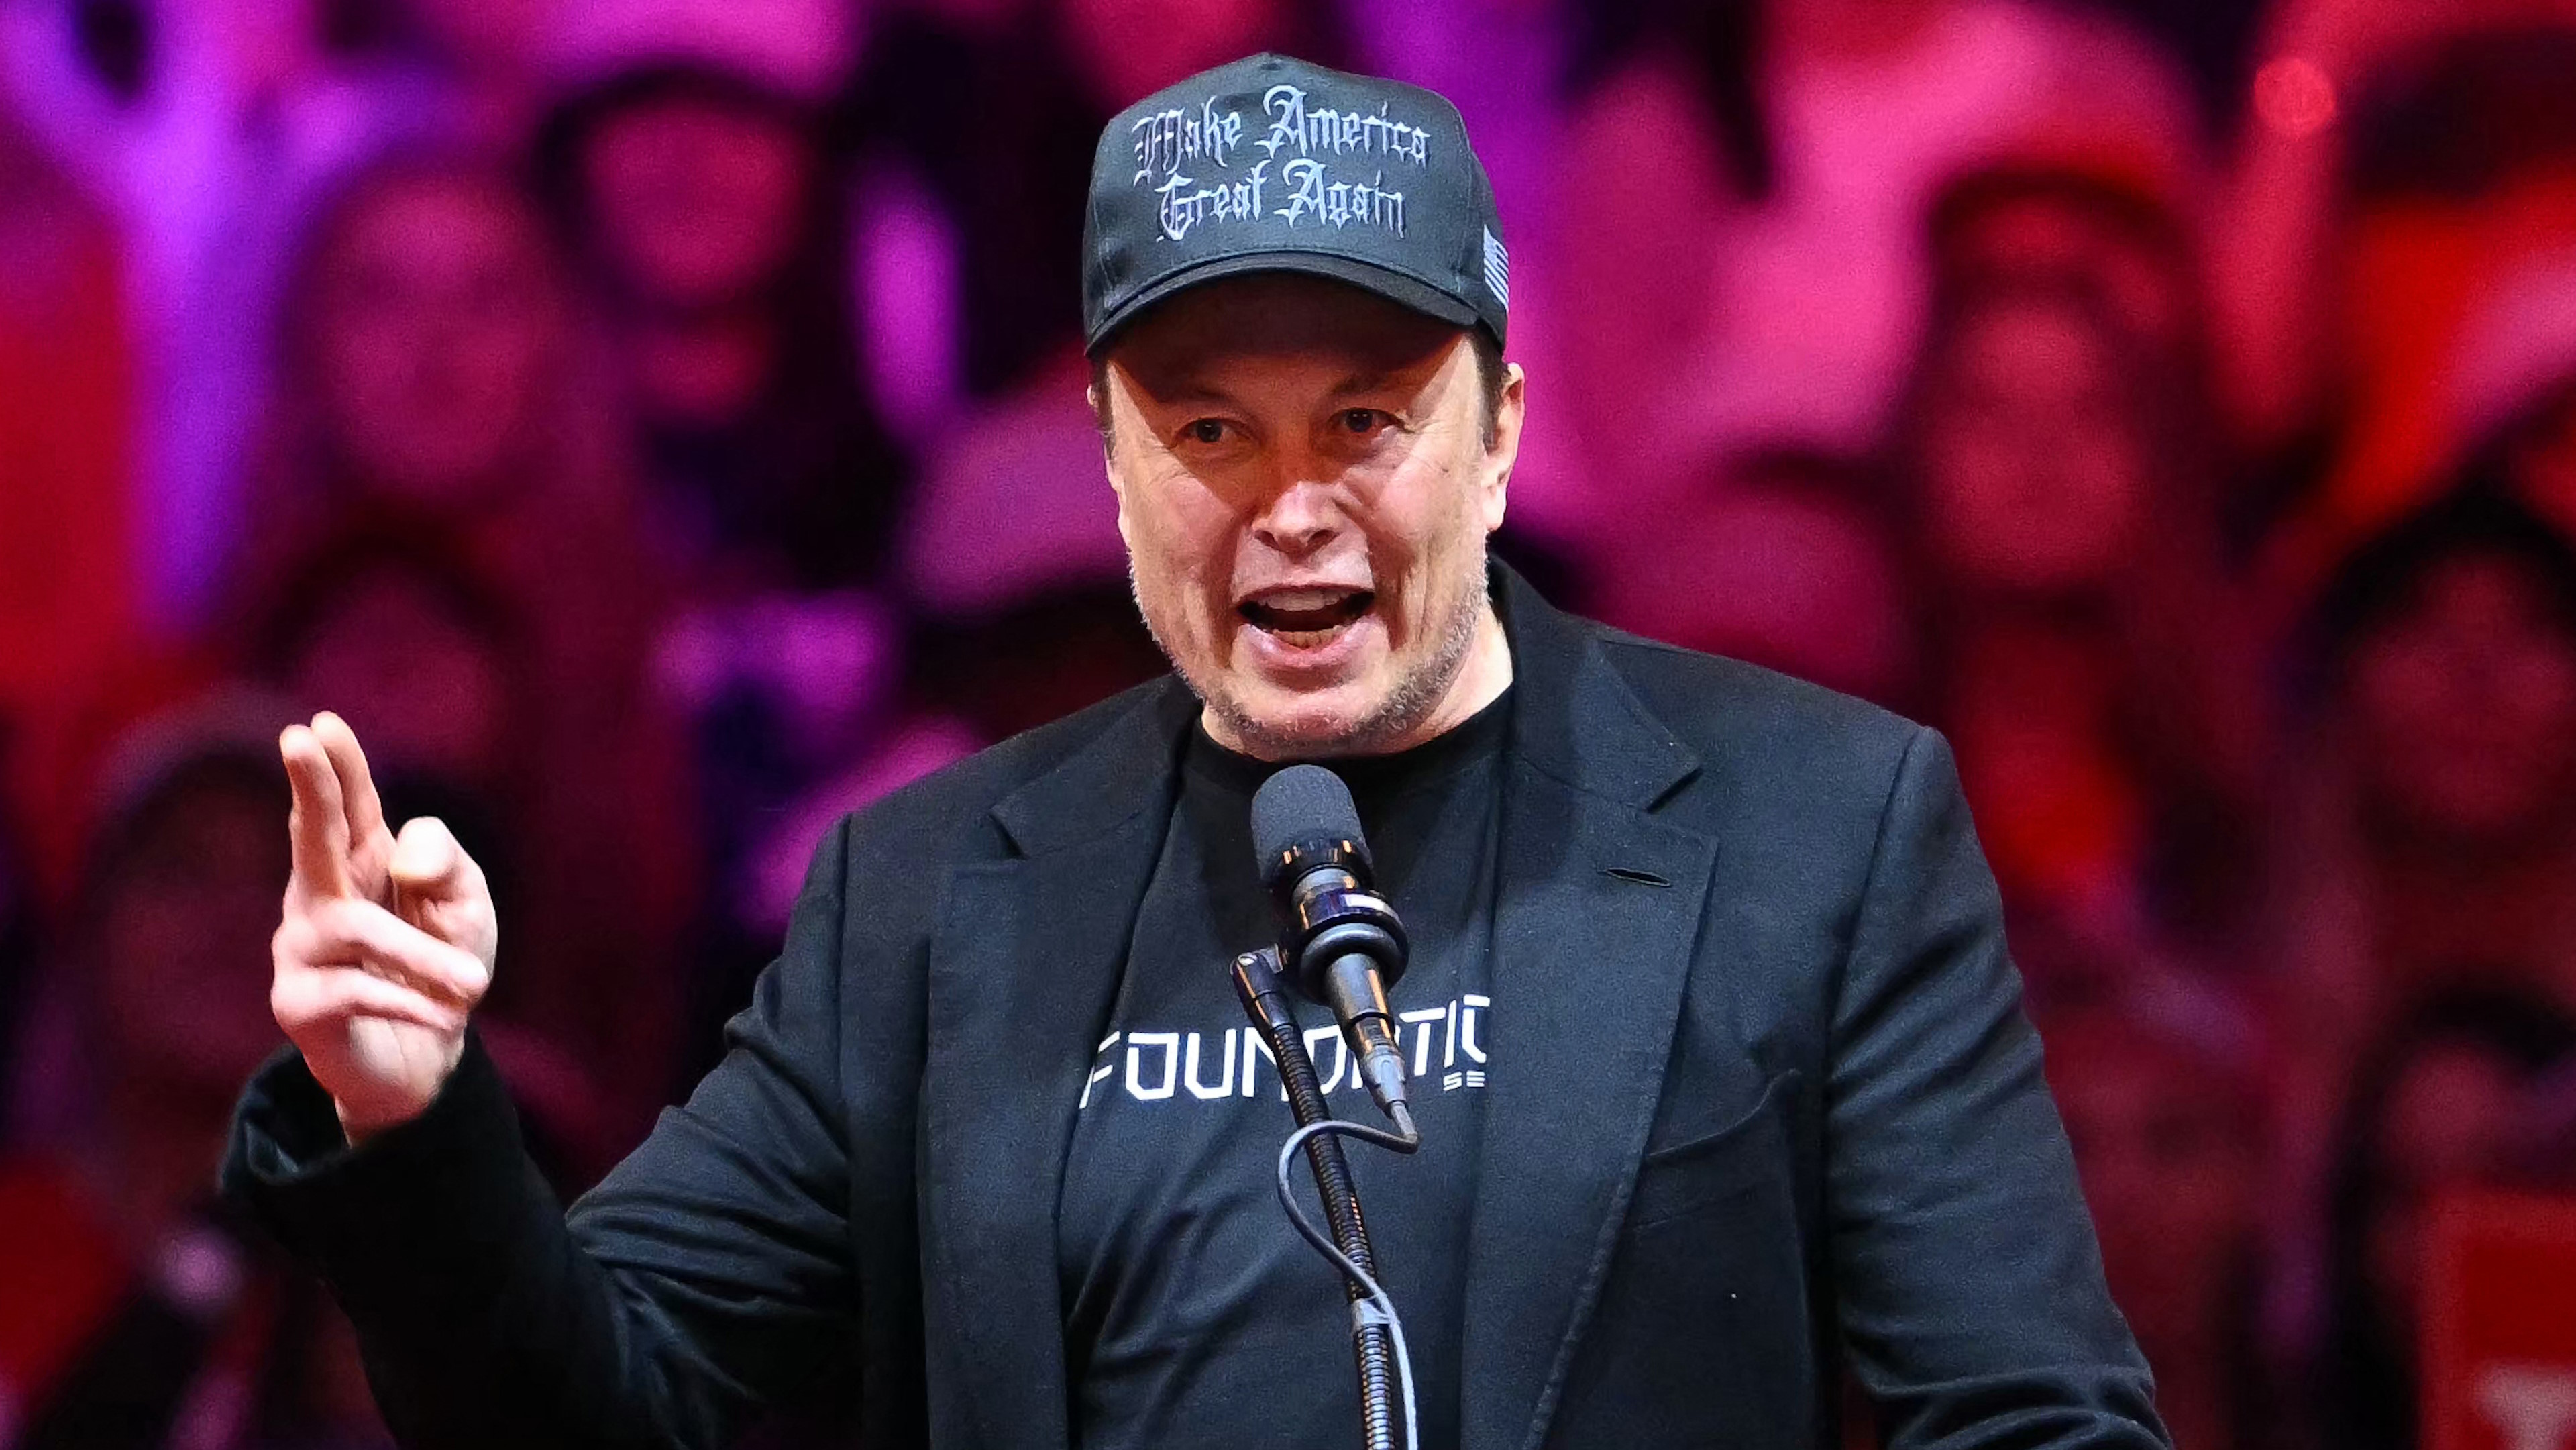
[1740,1156]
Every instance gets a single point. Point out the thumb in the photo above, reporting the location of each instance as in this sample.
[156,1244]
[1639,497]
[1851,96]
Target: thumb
[427,862]
[439,888]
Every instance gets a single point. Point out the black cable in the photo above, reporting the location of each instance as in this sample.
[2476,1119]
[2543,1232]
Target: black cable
[1265,1000]
[1374,1295]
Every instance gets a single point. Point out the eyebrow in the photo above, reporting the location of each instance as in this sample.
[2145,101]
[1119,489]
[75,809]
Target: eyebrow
[1360,383]
[1187,393]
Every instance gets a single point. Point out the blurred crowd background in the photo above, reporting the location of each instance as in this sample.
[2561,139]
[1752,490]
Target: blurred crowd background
[658,427]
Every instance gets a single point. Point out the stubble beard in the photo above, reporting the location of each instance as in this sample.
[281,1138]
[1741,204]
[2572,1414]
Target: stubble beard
[1415,696]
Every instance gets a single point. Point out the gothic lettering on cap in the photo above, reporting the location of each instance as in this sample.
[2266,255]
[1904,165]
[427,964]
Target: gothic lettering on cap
[1185,203]
[1340,203]
[1311,129]
[1180,155]
[1169,139]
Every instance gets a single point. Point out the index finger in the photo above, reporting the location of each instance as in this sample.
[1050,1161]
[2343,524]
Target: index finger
[316,826]
[365,810]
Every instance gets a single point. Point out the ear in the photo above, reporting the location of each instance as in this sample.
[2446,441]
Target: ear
[1109,456]
[1495,481]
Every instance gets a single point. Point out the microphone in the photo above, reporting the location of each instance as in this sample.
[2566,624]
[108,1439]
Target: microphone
[1340,942]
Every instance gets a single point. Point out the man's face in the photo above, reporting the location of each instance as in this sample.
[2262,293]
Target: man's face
[1305,484]
[2464,705]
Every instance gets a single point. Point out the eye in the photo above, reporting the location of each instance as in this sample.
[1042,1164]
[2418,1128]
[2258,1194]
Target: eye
[1206,430]
[1363,420]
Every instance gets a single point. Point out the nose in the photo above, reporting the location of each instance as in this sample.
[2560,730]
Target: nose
[1301,519]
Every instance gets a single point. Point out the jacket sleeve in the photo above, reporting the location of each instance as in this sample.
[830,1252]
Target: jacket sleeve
[707,1275]
[1970,1290]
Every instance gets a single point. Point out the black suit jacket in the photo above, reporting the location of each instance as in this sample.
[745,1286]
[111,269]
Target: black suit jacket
[1773,1108]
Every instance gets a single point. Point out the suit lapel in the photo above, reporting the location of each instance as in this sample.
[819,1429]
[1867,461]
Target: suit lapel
[1587,987]
[1022,977]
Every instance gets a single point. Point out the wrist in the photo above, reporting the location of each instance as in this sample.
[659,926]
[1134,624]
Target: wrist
[358,1127]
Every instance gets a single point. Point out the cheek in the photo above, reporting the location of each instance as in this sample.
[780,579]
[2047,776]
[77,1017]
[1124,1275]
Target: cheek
[503,356]
[1180,541]
[1425,531]
[2542,686]
[1967,475]
[2393,696]
[366,361]
[2108,487]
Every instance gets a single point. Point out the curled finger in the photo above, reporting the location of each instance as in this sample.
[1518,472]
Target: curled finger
[306,1000]
[361,933]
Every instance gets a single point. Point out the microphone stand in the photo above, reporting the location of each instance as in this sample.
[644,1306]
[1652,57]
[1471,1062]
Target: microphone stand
[1264,994]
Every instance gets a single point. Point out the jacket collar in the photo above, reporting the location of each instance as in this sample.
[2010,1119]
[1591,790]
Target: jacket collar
[1576,719]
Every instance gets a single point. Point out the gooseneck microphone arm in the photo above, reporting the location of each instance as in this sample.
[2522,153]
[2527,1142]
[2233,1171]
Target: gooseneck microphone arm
[1377,1335]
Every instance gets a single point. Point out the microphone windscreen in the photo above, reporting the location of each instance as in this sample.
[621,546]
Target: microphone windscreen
[1300,806]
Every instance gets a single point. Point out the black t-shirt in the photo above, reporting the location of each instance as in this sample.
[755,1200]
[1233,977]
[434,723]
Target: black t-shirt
[1194,1314]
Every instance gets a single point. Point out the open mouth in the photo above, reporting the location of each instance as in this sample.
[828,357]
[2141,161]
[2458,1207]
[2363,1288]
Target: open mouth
[1306,618]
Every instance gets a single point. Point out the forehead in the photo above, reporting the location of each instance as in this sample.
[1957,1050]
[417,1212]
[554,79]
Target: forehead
[425,223]
[1269,323]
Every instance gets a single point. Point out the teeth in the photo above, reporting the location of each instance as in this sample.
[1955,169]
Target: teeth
[1303,598]
[1305,638]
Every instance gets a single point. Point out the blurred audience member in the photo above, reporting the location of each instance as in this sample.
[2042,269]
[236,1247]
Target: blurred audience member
[69,576]
[2423,839]
[2082,223]
[2438,837]
[429,365]
[208,128]
[138,1315]
[705,205]
[1743,260]
[1780,563]
[436,415]
[2060,484]
[2167,1127]
[2442,1102]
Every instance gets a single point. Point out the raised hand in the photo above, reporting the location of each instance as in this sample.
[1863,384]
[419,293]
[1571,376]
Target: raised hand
[386,943]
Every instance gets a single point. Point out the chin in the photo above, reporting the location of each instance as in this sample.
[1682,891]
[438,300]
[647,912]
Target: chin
[1277,721]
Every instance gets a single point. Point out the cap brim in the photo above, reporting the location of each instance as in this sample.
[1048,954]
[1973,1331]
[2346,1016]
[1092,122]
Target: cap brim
[1369,277]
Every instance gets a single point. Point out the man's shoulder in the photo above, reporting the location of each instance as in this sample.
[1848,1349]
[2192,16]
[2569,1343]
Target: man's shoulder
[1742,718]
[1795,781]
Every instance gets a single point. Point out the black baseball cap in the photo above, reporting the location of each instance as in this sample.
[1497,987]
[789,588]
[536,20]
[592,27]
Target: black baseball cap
[1272,164]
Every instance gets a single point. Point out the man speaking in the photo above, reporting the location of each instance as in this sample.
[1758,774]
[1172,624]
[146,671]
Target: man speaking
[1719,1062]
